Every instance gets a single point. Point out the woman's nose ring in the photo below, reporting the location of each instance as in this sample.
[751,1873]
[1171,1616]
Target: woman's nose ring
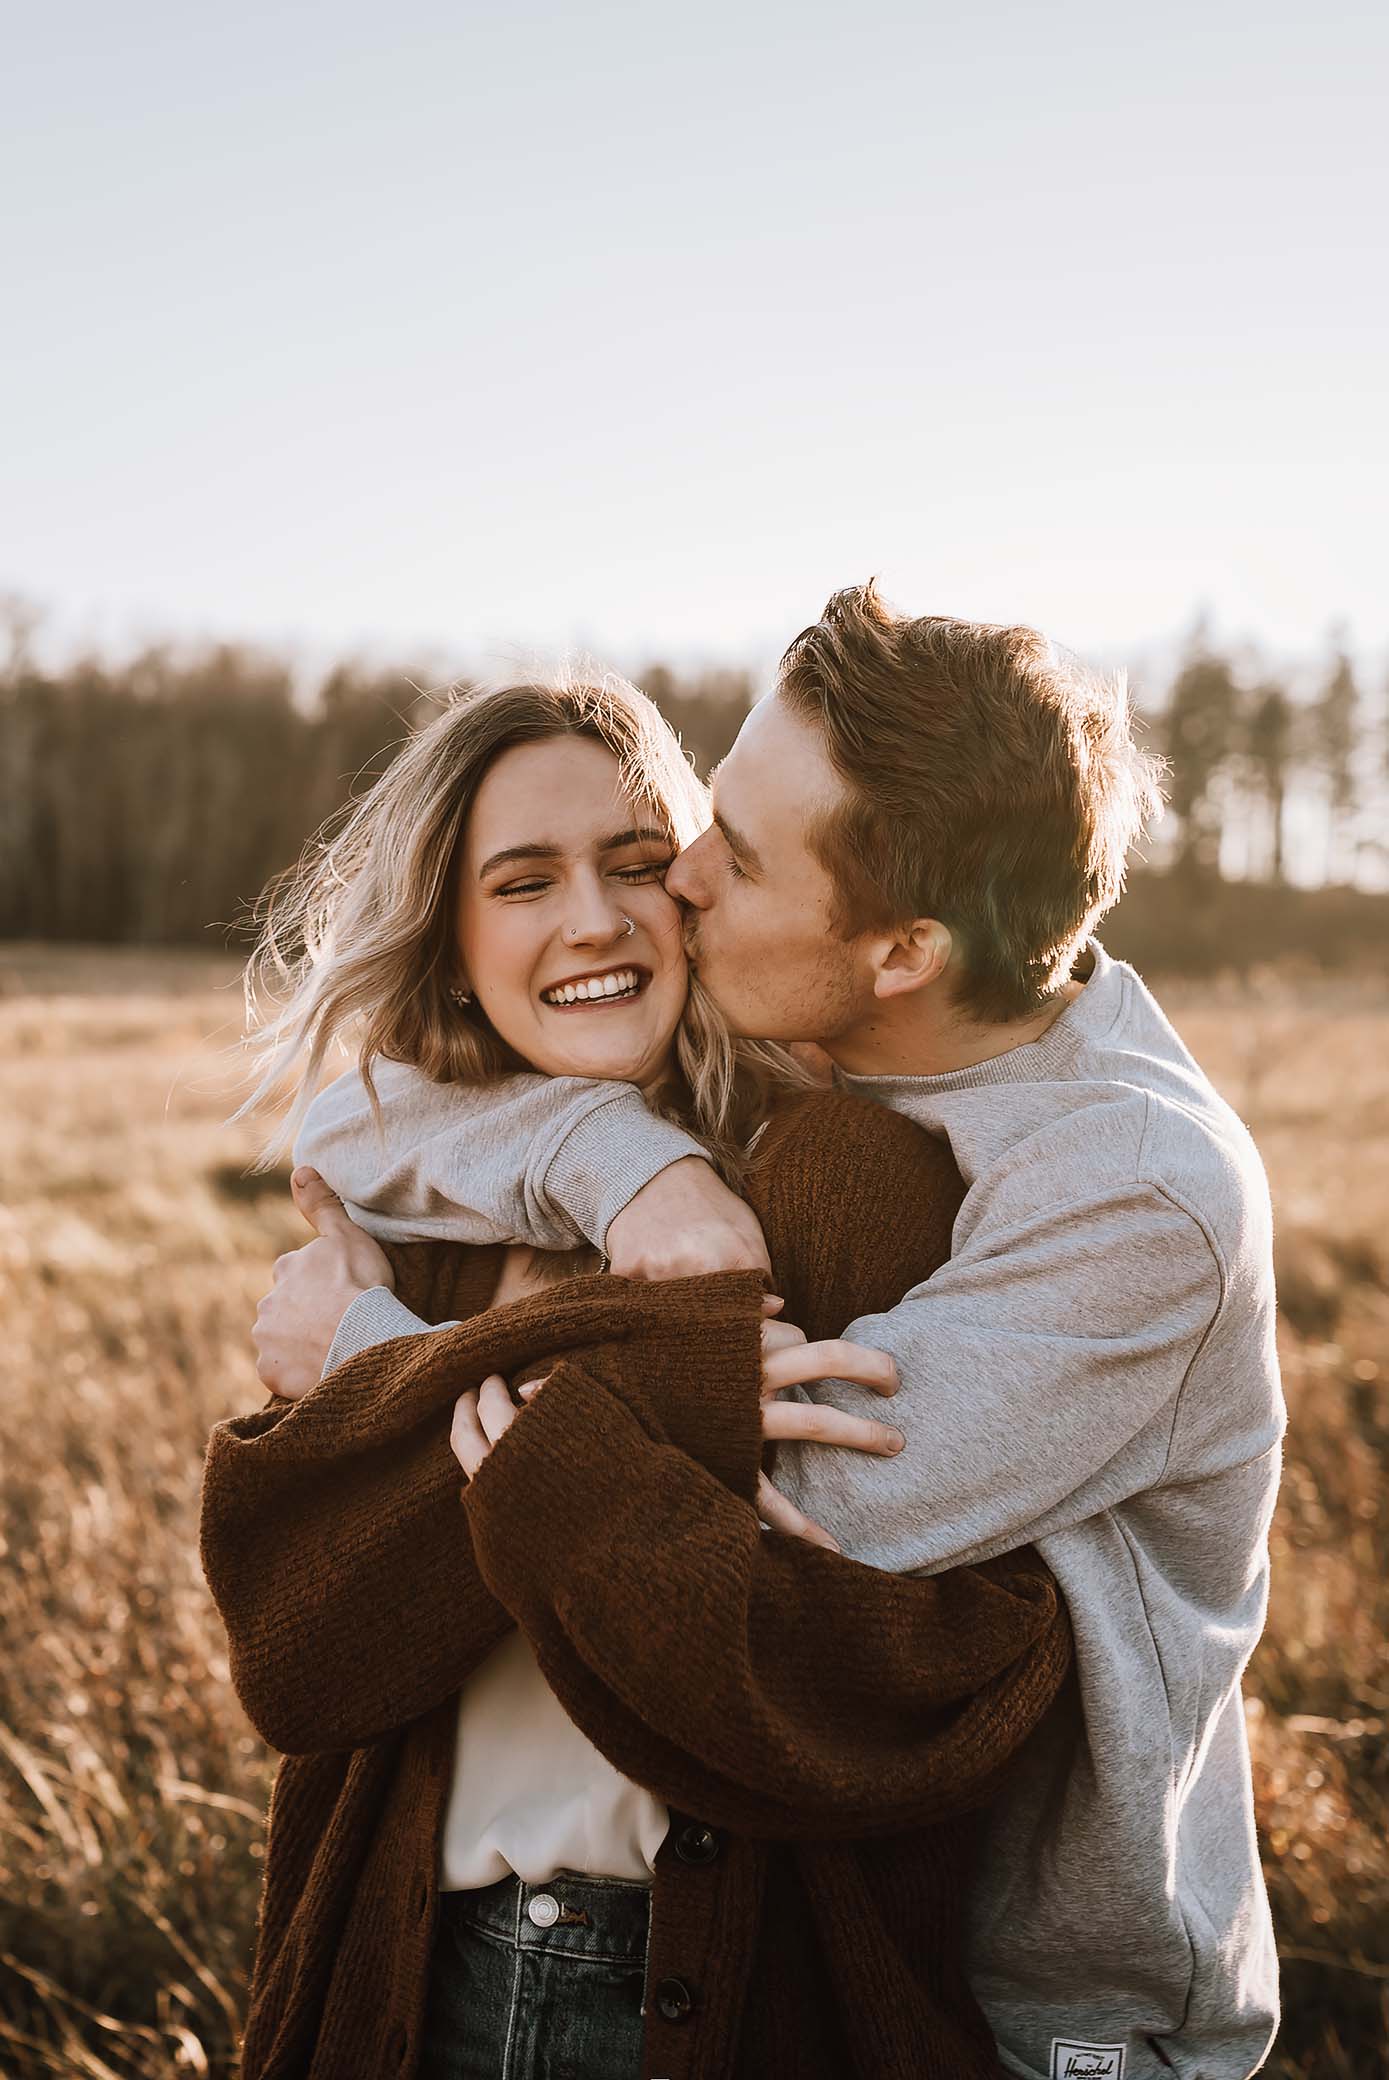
[630,923]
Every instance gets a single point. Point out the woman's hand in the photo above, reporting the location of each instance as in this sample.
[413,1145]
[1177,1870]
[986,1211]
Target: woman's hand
[482,1414]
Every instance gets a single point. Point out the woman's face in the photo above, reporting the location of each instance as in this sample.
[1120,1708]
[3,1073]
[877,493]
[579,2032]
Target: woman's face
[555,858]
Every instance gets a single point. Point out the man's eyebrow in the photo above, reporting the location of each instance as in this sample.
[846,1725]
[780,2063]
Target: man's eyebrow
[540,850]
[738,845]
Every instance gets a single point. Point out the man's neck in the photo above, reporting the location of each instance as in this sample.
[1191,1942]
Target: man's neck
[928,1042]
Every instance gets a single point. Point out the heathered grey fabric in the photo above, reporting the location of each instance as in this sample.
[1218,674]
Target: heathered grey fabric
[1093,1370]
[375,1316]
[546,1160]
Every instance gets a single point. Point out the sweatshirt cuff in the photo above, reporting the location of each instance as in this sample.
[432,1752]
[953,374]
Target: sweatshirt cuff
[375,1316]
[606,1159]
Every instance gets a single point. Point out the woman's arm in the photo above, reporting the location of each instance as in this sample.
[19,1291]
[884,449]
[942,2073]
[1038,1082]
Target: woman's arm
[343,1570]
[764,1683]
[514,1159]
[332,1536]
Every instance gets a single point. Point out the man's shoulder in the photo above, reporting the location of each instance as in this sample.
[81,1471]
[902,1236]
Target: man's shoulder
[1187,1140]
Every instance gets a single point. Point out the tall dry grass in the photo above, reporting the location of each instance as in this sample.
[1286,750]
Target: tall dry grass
[132,1252]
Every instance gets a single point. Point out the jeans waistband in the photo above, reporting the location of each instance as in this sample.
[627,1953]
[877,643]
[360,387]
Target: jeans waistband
[570,1914]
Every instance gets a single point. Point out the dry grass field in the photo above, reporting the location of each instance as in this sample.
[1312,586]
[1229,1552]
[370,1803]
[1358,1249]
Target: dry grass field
[132,1251]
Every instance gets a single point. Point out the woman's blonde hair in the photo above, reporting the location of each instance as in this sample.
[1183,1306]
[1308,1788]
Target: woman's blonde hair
[357,945]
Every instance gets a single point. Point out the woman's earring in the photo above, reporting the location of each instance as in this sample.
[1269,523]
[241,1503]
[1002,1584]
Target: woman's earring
[460,997]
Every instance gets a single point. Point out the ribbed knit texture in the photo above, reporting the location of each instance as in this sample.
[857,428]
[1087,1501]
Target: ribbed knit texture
[833,1723]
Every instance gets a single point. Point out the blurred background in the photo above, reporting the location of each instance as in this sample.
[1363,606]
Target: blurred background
[354,353]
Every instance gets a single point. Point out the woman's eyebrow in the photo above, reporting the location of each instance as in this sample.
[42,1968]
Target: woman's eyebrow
[646,834]
[539,850]
[501,859]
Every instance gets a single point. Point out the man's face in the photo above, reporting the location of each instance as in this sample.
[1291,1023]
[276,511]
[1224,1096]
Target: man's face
[759,924]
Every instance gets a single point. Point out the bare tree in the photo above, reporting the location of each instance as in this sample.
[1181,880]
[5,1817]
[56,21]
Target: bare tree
[1336,719]
[1203,724]
[1269,742]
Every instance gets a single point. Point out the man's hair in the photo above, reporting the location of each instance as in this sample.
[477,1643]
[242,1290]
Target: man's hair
[991,781]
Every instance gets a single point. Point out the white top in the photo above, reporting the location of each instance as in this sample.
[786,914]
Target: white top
[531,1794]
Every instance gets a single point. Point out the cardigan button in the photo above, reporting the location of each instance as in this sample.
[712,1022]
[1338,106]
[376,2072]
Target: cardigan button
[674,2000]
[696,1843]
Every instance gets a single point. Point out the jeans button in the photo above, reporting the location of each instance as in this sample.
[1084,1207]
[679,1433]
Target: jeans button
[674,2000]
[696,1843]
[543,1909]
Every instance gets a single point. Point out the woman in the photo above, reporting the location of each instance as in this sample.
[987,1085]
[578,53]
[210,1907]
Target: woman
[512,855]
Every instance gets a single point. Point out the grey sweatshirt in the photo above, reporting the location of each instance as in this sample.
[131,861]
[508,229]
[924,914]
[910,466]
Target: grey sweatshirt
[1094,1371]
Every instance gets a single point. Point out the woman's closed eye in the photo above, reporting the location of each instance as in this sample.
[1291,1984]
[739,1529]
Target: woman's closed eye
[522,888]
[652,870]
[634,876]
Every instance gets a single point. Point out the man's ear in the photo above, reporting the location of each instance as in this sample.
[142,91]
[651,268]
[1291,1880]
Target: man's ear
[918,954]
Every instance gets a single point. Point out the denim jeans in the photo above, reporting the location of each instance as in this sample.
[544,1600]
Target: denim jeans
[538,1982]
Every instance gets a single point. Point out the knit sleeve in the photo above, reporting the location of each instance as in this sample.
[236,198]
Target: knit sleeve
[332,1538]
[770,1685]
[342,1573]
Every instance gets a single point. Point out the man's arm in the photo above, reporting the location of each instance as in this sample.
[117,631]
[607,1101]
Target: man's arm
[764,1683]
[1040,1370]
[550,1161]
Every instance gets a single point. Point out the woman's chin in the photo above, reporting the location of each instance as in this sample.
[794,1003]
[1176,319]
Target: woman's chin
[614,1066]
[607,1058]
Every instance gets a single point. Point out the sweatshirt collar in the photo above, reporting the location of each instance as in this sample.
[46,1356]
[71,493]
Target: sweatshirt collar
[1042,1060]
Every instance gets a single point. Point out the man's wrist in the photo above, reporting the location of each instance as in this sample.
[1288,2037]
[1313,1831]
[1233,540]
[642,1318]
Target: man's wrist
[375,1316]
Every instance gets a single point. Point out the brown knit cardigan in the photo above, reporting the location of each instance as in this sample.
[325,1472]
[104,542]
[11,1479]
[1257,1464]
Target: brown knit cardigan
[821,1730]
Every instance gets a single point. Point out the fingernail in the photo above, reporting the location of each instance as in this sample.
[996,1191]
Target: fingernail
[532,1386]
[898,1441]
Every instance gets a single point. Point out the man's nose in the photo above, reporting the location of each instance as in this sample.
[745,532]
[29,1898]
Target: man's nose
[683,878]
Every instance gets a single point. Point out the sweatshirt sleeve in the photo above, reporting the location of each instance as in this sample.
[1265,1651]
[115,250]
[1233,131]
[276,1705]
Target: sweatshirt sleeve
[549,1161]
[1040,1373]
[768,1684]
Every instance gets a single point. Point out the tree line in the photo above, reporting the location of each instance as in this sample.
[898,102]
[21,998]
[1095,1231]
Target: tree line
[150,800]
[1279,763]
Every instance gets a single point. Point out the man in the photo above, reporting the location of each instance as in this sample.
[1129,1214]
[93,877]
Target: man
[913,839]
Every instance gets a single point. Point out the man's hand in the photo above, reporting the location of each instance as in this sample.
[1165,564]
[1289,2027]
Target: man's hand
[685,1222]
[480,1415]
[314,1287]
[789,1361]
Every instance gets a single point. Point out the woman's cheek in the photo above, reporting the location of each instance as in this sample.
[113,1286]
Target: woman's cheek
[664,924]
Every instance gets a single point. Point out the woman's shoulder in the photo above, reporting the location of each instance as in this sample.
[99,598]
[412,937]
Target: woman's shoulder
[445,1281]
[857,1204]
[822,1128]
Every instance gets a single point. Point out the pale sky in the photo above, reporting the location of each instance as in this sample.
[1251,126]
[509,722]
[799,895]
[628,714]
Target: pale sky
[643,327]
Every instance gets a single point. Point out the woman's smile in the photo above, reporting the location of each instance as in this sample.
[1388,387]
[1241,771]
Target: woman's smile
[596,989]
[566,935]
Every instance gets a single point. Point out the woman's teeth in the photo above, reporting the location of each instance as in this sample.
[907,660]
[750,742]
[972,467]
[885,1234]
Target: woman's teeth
[623,982]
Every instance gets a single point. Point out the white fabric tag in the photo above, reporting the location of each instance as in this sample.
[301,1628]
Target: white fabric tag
[1072,2060]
